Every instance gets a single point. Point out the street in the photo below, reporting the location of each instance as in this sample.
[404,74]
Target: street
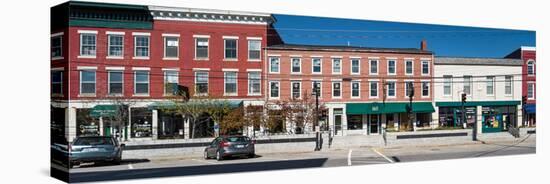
[166,167]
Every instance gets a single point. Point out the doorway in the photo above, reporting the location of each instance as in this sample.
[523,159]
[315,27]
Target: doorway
[374,124]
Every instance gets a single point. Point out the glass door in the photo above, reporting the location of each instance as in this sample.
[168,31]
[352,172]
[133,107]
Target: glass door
[337,123]
[374,124]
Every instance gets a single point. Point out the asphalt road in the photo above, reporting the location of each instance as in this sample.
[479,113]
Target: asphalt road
[145,168]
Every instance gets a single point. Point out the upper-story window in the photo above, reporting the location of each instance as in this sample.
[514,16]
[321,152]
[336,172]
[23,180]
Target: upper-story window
[316,65]
[425,89]
[355,89]
[87,81]
[171,46]
[141,82]
[355,66]
[254,83]
[425,67]
[336,89]
[531,90]
[274,89]
[230,51]
[254,49]
[391,89]
[490,86]
[317,85]
[274,64]
[57,82]
[530,67]
[391,67]
[230,83]
[171,79]
[87,44]
[373,89]
[447,84]
[141,46]
[57,46]
[201,48]
[409,67]
[467,84]
[508,85]
[115,82]
[115,45]
[201,82]
[408,84]
[296,66]
[336,65]
[373,67]
[296,87]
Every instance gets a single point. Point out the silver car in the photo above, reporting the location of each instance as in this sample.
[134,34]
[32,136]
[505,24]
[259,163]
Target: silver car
[229,146]
[95,149]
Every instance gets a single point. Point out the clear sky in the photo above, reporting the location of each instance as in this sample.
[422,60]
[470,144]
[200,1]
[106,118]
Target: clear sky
[443,40]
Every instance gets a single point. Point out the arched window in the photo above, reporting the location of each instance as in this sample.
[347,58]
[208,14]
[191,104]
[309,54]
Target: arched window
[530,67]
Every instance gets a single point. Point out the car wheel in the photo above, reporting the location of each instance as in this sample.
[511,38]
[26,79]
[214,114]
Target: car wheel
[219,156]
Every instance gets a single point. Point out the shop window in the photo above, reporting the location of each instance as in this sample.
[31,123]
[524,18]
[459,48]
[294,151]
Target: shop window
[141,122]
[170,125]
[355,122]
[85,124]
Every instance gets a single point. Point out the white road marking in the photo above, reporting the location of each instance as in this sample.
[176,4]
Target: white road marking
[349,157]
[204,161]
[130,166]
[384,156]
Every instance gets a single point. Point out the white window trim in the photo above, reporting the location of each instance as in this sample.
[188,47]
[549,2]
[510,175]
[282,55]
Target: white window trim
[57,34]
[148,47]
[394,66]
[164,36]
[299,91]
[422,67]
[422,89]
[141,34]
[207,50]
[388,89]
[87,32]
[248,50]
[412,67]
[253,70]
[351,89]
[377,66]
[320,82]
[236,83]
[109,81]
[351,65]
[170,35]
[511,86]
[494,86]
[249,83]
[86,67]
[278,65]
[225,38]
[254,38]
[201,36]
[377,89]
[405,87]
[148,84]
[81,33]
[333,58]
[278,91]
[207,82]
[109,34]
[80,94]
[141,68]
[530,62]
[450,84]
[332,91]
[320,66]
[201,69]
[165,76]
[115,33]
[115,68]
[292,65]
[534,90]
[471,83]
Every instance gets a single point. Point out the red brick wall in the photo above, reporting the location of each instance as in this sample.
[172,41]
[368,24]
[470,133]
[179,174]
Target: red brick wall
[527,56]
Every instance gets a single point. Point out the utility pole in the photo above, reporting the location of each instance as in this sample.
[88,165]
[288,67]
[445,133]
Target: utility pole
[317,132]
[410,107]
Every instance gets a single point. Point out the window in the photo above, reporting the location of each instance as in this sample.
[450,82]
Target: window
[171,47]
[408,67]
[530,67]
[274,89]
[425,89]
[87,82]
[425,67]
[254,47]
[230,83]
[201,83]
[508,85]
[201,48]
[373,67]
[296,65]
[56,44]
[317,84]
[447,82]
[171,82]
[274,64]
[355,66]
[57,82]
[336,65]
[531,90]
[254,83]
[115,82]
[490,85]
[373,89]
[316,65]
[391,89]
[141,82]
[230,48]
[116,45]
[336,89]
[407,83]
[141,46]
[87,44]
[355,89]
[296,89]
[468,85]
[391,67]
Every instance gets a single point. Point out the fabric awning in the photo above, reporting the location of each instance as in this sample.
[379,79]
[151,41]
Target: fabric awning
[531,108]
[104,110]
[390,107]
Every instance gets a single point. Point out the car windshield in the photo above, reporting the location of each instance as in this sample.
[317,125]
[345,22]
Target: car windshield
[237,139]
[85,141]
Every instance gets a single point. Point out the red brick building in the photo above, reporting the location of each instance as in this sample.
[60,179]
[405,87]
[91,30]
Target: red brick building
[529,78]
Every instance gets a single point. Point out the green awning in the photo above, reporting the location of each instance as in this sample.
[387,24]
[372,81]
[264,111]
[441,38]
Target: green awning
[477,103]
[389,107]
[104,110]
[172,105]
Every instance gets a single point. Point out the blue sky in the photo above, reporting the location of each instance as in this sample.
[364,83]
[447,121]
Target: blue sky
[444,40]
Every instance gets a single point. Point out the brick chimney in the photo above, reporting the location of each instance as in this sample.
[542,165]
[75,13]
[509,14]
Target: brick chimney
[423,45]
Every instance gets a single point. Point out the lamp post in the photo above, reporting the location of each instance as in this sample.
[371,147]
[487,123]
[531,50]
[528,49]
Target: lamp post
[318,134]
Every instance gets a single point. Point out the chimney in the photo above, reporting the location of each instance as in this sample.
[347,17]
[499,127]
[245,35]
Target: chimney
[423,45]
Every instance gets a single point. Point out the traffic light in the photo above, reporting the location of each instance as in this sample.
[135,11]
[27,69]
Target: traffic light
[463,97]
[523,100]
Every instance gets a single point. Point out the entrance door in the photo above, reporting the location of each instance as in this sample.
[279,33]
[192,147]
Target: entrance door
[337,123]
[374,124]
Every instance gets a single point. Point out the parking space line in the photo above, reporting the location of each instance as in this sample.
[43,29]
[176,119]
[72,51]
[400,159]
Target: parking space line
[204,161]
[384,156]
[130,166]
[349,157]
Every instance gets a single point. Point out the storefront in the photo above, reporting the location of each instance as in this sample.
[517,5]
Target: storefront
[452,116]
[86,125]
[170,125]
[141,122]
[57,123]
[498,118]
[530,115]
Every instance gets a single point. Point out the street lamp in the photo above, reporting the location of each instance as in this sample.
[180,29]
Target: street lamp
[318,135]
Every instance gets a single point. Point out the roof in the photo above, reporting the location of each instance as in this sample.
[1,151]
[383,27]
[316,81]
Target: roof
[477,61]
[342,48]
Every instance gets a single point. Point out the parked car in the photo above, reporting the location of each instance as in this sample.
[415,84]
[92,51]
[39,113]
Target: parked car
[59,152]
[95,149]
[229,146]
